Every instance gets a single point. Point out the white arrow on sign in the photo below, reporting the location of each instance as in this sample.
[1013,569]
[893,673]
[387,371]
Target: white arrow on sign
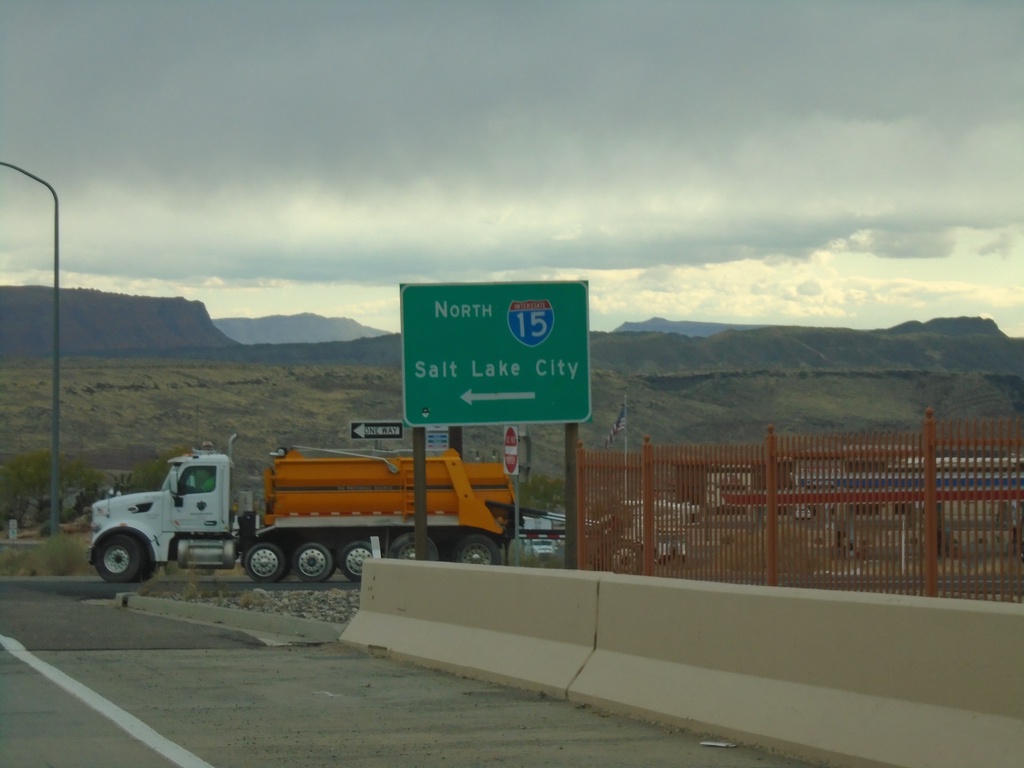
[365,430]
[470,396]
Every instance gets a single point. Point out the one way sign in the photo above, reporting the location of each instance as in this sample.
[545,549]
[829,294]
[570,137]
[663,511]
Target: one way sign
[377,430]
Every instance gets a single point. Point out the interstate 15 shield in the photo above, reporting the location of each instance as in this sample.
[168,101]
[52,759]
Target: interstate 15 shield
[531,321]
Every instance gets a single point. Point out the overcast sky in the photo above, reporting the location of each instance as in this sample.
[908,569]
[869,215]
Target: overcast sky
[854,164]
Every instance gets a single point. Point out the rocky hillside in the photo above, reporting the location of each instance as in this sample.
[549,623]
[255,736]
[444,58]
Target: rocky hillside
[143,376]
[945,344]
[115,412]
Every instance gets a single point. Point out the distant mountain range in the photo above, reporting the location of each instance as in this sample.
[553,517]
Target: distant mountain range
[958,326]
[93,322]
[684,327]
[294,329]
[100,324]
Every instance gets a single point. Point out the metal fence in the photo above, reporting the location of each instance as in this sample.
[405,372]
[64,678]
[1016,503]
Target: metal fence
[937,513]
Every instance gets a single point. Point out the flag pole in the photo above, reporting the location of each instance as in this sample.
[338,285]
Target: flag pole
[625,448]
[625,430]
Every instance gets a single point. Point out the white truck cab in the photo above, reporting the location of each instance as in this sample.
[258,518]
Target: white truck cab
[189,520]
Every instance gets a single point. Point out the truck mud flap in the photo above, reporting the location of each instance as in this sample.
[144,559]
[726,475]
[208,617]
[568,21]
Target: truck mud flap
[246,531]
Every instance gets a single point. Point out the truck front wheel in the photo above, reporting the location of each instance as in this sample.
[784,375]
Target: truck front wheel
[313,562]
[265,562]
[121,559]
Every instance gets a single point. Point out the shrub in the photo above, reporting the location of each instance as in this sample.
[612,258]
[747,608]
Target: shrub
[62,555]
[15,562]
[57,556]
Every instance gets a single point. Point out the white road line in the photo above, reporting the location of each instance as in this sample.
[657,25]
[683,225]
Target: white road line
[126,722]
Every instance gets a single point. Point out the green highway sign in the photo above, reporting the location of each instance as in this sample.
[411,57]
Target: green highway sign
[495,353]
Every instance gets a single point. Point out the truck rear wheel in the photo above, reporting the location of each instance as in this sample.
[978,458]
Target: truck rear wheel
[351,558]
[265,562]
[477,549]
[313,562]
[121,559]
[404,548]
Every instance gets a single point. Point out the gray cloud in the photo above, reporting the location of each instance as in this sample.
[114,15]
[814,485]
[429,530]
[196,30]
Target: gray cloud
[388,141]
[912,245]
[536,91]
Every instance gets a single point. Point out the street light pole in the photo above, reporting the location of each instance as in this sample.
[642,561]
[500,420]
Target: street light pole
[55,500]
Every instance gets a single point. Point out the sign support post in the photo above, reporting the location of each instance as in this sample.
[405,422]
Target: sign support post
[519,542]
[572,438]
[512,468]
[419,490]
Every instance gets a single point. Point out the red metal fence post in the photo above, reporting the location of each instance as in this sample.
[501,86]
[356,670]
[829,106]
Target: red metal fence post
[771,541]
[582,544]
[931,517]
[647,485]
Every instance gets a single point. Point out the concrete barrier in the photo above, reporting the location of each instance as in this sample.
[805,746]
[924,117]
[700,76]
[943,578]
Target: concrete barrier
[524,627]
[856,679]
[851,679]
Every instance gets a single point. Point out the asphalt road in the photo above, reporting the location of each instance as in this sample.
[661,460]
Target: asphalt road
[100,686]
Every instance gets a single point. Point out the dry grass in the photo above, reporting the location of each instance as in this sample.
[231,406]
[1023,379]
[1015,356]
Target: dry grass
[62,555]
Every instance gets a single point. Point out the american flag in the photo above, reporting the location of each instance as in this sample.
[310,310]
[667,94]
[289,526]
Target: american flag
[618,426]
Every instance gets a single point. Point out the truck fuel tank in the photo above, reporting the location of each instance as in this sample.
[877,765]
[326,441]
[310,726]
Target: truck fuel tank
[207,553]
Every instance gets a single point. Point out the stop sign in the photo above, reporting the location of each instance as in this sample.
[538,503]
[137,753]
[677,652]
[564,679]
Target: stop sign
[512,450]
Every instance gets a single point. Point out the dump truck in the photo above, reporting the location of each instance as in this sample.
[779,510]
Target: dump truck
[320,513]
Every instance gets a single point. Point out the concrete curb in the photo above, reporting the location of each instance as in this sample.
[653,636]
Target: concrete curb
[286,628]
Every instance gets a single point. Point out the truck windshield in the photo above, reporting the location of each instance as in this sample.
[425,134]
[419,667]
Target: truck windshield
[171,481]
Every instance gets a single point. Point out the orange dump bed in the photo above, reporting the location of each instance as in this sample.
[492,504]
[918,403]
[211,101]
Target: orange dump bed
[376,487]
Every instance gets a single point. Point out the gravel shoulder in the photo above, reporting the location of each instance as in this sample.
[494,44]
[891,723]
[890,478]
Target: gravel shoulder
[333,606]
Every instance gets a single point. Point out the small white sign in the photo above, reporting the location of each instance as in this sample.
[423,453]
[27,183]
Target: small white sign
[376,430]
[437,439]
